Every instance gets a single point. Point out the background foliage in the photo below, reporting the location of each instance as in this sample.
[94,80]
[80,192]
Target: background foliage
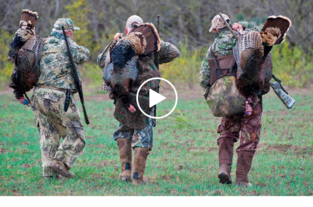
[183,23]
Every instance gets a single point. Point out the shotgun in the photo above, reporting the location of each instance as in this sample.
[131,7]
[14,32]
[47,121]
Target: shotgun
[76,78]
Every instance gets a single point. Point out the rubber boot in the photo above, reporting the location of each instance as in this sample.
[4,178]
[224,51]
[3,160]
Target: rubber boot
[60,168]
[139,166]
[243,167]
[124,146]
[225,155]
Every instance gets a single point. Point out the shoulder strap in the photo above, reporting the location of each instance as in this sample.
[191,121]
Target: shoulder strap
[214,57]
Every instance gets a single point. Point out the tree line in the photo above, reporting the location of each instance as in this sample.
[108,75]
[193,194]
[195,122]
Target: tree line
[181,21]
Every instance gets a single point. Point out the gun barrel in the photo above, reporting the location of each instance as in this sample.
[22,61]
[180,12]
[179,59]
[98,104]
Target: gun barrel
[230,29]
[284,97]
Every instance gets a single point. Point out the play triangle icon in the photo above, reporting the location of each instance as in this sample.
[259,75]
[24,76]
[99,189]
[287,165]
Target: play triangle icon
[155,98]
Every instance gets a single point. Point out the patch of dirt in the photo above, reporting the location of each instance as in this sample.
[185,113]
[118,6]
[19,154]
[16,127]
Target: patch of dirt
[105,163]
[25,143]
[252,193]
[94,175]
[218,192]
[16,192]
[261,185]
[97,146]
[285,149]
[180,167]
[26,165]
[167,177]
[189,141]
[212,149]
[3,151]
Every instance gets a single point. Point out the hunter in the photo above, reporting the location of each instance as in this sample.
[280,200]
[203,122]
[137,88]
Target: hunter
[128,138]
[55,83]
[231,126]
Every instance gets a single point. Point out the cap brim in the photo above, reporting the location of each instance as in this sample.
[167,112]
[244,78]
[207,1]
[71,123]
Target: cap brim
[211,29]
[76,28]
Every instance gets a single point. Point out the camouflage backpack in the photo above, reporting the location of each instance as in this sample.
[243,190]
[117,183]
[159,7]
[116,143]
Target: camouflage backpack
[222,96]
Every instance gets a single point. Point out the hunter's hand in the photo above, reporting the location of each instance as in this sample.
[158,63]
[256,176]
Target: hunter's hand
[237,27]
[118,36]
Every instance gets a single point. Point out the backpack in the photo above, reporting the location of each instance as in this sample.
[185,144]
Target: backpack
[222,96]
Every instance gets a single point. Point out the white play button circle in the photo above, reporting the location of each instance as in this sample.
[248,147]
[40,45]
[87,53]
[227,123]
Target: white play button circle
[156,98]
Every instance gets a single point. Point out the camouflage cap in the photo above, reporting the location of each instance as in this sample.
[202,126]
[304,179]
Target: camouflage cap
[67,23]
[132,19]
[218,23]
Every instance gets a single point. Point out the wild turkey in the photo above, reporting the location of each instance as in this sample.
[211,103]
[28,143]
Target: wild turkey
[25,53]
[252,54]
[123,55]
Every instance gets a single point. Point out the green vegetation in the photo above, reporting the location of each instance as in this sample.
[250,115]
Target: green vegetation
[292,65]
[182,162]
[6,67]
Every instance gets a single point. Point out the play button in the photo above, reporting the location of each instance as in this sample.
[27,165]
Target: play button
[155,98]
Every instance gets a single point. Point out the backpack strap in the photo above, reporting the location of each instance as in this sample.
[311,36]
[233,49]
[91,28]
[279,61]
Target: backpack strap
[217,68]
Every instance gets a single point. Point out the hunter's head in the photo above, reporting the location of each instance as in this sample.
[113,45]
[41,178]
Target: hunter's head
[131,21]
[68,25]
[217,23]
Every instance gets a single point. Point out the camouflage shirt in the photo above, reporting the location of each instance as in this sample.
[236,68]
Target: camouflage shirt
[223,45]
[55,67]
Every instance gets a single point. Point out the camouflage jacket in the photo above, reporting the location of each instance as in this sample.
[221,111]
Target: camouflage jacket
[55,67]
[223,45]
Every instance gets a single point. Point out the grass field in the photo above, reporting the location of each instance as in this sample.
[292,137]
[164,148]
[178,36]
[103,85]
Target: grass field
[184,160]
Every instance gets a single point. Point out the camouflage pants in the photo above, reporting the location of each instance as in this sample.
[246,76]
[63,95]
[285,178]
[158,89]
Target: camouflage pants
[250,128]
[142,138]
[48,106]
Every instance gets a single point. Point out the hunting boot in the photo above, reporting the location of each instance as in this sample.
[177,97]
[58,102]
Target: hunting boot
[243,167]
[61,168]
[225,155]
[139,166]
[124,146]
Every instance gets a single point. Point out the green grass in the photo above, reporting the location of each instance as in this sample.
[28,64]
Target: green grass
[184,160]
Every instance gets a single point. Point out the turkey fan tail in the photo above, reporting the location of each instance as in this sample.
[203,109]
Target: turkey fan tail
[29,17]
[277,22]
[153,42]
